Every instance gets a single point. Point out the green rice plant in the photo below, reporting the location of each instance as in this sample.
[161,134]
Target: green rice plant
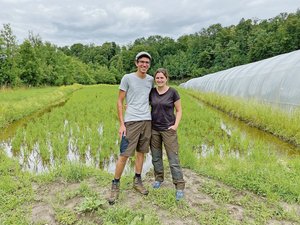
[17,141]
[268,118]
[88,123]
[73,172]
[18,103]
[59,148]
[235,159]
[44,150]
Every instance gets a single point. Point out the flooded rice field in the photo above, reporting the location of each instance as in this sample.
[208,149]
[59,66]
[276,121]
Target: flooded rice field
[34,161]
[84,131]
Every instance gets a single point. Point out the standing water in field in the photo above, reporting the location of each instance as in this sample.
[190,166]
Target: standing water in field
[31,158]
[34,162]
[230,125]
[85,130]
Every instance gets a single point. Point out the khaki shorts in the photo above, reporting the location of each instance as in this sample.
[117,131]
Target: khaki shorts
[138,134]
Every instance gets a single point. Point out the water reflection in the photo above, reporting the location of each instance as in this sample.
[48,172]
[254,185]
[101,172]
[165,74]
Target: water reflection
[73,154]
[100,129]
[228,124]
[7,147]
[88,157]
[110,165]
[225,128]
[10,130]
[34,162]
[205,151]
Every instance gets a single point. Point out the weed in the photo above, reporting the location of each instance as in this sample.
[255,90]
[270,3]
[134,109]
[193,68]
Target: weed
[221,195]
[124,216]
[65,217]
[90,204]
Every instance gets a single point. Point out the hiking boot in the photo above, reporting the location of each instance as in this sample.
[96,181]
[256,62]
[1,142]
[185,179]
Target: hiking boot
[156,184]
[114,193]
[179,195]
[138,186]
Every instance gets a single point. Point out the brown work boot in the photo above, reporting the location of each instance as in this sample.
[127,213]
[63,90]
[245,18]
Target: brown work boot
[138,186]
[114,193]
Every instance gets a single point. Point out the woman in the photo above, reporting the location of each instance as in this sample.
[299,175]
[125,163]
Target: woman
[163,100]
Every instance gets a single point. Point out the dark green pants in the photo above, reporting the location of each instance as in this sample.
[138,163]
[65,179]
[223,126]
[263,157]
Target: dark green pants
[169,139]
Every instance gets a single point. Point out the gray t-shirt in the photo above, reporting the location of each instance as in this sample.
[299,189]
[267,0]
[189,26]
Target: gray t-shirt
[137,96]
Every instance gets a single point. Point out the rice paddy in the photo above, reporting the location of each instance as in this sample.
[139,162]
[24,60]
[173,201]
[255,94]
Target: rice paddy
[82,135]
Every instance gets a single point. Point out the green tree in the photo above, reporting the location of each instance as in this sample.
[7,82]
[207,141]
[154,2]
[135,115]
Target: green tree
[30,71]
[8,54]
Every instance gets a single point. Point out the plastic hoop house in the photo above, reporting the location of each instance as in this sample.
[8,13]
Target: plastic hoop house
[274,80]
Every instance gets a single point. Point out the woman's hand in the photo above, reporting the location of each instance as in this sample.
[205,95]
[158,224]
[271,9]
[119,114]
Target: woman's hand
[174,127]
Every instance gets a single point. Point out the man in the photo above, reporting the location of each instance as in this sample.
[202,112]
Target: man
[135,126]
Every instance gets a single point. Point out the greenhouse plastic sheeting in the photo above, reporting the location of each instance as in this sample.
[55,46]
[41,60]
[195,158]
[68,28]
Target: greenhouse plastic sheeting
[274,80]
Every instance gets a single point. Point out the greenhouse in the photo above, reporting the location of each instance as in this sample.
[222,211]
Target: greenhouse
[274,80]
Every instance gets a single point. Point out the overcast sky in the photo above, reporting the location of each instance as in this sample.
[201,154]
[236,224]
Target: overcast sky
[65,22]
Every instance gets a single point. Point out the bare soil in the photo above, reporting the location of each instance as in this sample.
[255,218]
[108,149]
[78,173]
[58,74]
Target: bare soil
[47,198]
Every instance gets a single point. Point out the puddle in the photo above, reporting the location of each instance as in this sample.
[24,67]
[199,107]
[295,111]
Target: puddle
[35,163]
[229,124]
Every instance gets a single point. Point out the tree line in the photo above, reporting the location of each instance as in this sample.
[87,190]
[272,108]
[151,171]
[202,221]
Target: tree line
[37,63]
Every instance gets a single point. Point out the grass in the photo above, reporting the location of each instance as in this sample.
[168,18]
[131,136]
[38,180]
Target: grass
[215,217]
[92,204]
[124,216]
[15,192]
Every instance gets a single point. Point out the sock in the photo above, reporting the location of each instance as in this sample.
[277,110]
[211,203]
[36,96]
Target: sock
[137,175]
[116,180]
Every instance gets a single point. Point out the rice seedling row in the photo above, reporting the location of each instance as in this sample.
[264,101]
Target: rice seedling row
[73,141]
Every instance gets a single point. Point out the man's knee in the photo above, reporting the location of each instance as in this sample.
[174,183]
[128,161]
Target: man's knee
[123,158]
[140,154]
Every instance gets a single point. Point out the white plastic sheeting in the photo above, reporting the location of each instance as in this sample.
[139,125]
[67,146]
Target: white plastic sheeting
[274,80]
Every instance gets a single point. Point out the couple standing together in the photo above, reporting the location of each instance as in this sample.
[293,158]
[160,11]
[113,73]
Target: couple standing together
[141,128]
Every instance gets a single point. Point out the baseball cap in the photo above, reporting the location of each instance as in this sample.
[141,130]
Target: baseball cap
[141,54]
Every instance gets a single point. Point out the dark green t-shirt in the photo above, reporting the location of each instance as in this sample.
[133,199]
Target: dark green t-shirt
[162,108]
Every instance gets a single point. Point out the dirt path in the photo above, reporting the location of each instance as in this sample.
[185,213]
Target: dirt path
[206,201]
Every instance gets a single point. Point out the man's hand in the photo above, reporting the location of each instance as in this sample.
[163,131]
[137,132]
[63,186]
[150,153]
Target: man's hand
[122,131]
